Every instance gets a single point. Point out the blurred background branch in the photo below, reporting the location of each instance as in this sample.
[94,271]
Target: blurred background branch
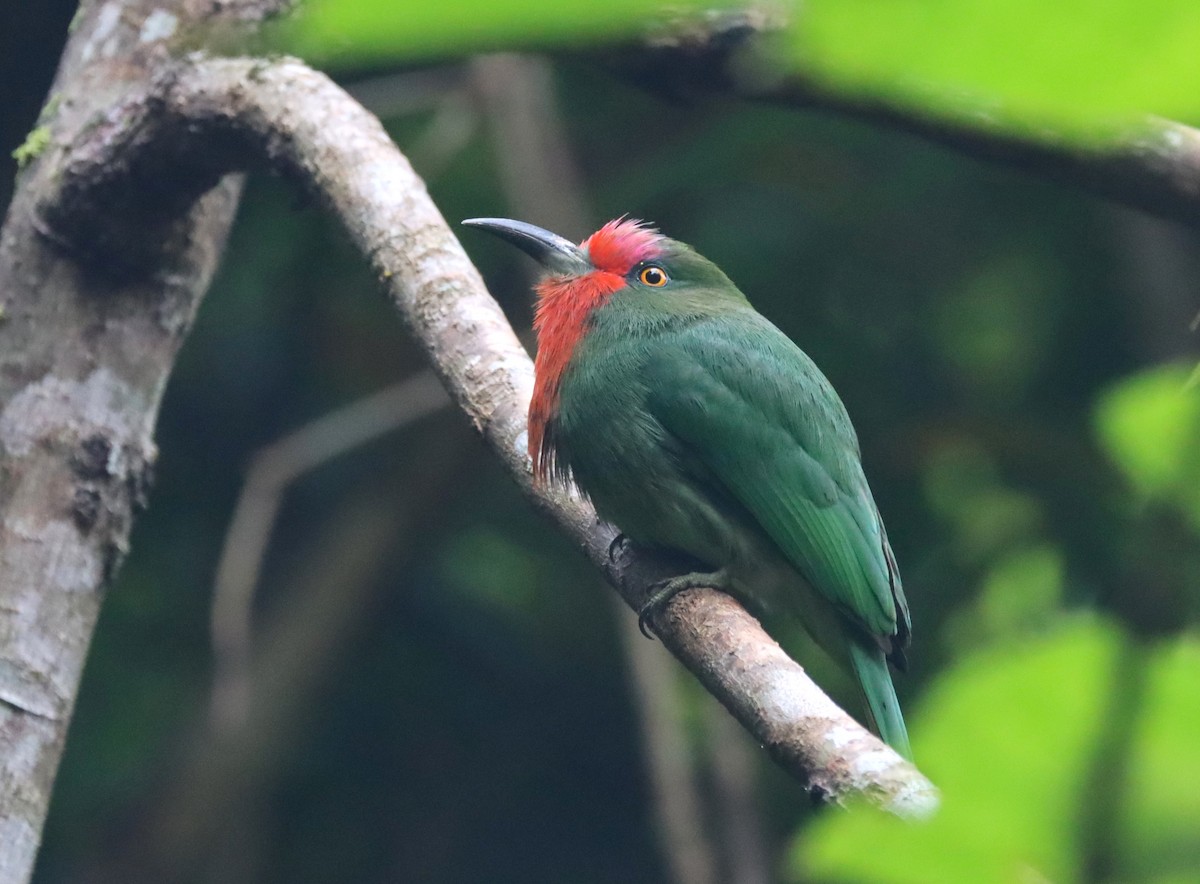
[228,761]
[271,471]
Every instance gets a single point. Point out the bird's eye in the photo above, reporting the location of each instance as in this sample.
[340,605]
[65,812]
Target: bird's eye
[653,276]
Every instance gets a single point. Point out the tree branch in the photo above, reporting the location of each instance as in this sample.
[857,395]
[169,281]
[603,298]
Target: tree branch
[1155,167]
[284,113]
[84,358]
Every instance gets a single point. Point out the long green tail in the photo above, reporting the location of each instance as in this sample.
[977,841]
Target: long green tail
[883,709]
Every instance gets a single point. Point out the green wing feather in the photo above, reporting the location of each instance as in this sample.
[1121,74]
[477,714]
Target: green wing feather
[764,422]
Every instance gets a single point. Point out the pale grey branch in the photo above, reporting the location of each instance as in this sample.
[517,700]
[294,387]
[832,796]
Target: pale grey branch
[678,801]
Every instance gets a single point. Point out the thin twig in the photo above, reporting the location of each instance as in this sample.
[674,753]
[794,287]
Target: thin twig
[670,763]
[538,174]
[223,767]
[271,471]
[735,800]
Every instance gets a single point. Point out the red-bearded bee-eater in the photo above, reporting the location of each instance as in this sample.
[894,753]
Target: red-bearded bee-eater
[696,425]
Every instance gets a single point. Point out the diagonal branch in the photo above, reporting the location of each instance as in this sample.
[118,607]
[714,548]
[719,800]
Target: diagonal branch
[206,116]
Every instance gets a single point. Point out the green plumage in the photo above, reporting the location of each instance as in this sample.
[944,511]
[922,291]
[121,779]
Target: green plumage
[694,424]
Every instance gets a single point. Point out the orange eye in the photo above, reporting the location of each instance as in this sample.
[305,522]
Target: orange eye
[653,276]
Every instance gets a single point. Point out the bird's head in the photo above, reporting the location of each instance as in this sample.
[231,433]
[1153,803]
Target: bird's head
[624,254]
[626,263]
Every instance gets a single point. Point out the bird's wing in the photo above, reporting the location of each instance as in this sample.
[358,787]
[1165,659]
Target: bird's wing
[763,421]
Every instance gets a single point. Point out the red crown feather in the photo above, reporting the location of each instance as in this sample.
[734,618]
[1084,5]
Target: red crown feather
[621,245]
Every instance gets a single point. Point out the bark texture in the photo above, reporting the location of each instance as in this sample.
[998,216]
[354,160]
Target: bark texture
[245,112]
[85,349]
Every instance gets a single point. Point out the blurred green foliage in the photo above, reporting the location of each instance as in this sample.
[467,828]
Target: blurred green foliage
[1022,589]
[1008,734]
[1150,425]
[1075,67]
[356,32]
[1015,364]
[1072,67]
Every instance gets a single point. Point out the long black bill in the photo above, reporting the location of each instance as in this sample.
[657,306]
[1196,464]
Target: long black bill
[556,254]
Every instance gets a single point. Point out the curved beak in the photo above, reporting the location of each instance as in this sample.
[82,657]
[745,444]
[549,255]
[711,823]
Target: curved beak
[556,254]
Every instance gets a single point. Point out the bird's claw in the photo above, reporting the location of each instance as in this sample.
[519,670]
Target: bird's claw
[665,590]
[615,544]
[644,621]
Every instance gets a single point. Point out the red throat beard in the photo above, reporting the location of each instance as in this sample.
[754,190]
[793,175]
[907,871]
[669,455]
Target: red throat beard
[563,307]
[564,303]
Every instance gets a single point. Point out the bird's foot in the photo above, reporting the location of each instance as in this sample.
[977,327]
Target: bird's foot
[665,590]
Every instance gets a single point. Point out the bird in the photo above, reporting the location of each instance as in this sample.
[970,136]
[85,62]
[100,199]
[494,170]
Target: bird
[695,425]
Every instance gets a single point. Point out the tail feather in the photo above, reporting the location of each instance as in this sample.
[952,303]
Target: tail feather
[883,709]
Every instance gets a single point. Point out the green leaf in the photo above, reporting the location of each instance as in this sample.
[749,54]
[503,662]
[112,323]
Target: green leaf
[1076,65]
[1149,424]
[1008,735]
[357,32]
[1164,808]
